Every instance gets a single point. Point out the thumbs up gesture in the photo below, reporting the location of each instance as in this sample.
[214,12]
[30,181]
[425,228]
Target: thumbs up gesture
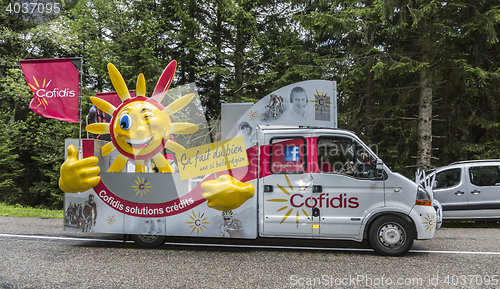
[78,175]
[226,193]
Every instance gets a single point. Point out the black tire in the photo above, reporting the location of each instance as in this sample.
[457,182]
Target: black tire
[148,241]
[391,235]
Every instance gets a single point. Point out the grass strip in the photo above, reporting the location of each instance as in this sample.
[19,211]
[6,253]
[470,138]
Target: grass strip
[21,211]
[471,224]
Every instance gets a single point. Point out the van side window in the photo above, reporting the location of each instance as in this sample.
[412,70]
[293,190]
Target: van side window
[448,178]
[288,155]
[341,155]
[336,155]
[484,175]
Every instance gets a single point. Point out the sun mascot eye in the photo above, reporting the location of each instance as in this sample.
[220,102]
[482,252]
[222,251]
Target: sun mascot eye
[125,121]
[140,126]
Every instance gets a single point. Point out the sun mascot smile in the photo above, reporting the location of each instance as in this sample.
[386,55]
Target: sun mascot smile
[140,127]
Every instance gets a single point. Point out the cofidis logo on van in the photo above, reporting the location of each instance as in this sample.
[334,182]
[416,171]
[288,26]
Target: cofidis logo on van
[296,203]
[324,201]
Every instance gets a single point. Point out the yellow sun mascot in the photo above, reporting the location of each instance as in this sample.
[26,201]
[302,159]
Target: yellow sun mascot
[140,129]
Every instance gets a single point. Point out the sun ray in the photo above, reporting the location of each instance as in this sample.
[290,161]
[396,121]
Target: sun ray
[118,164]
[162,164]
[282,208]
[98,128]
[277,200]
[36,82]
[139,166]
[305,213]
[297,219]
[179,104]
[103,105]
[283,189]
[31,85]
[118,82]
[289,183]
[286,215]
[173,146]
[140,88]
[164,82]
[183,128]
[43,84]
[107,149]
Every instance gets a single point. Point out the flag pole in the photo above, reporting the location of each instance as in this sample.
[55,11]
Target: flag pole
[78,62]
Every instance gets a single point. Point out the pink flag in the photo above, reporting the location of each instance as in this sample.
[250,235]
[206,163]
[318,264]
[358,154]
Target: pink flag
[54,83]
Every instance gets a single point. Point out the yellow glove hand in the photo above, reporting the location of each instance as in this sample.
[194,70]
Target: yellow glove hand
[226,193]
[78,175]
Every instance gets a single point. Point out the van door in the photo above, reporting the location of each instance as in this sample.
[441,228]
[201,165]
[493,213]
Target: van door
[345,185]
[483,190]
[285,185]
[451,191]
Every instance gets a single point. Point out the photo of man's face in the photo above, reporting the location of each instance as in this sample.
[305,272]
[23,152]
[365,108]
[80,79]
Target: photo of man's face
[299,101]
[247,130]
[153,226]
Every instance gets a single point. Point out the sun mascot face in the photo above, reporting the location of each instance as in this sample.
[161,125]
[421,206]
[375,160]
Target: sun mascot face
[140,127]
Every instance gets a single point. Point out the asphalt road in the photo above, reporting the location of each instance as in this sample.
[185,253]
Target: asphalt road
[37,253]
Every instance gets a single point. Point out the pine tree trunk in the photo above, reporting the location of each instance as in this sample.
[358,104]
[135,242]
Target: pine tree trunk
[425,108]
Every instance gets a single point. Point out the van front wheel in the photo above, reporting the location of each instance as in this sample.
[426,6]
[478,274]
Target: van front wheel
[148,241]
[391,236]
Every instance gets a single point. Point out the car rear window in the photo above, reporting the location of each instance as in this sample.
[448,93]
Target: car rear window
[484,175]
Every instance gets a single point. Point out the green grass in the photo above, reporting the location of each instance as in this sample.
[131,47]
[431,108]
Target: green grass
[20,211]
[471,224]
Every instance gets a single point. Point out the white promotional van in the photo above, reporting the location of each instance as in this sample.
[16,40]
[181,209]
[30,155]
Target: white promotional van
[281,169]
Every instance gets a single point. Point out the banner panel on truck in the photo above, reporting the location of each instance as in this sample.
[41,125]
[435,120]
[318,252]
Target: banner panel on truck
[306,103]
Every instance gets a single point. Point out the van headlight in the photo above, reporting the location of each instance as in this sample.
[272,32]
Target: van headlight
[423,197]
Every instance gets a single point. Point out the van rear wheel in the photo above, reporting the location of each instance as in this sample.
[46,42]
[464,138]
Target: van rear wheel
[148,241]
[391,236]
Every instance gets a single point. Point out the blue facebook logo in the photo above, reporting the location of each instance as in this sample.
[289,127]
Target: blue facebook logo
[292,153]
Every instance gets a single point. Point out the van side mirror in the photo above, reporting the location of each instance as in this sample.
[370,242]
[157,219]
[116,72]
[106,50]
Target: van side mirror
[379,169]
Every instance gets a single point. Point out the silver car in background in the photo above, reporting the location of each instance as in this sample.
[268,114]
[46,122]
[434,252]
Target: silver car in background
[469,190]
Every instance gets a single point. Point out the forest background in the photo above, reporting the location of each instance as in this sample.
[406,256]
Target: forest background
[420,79]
